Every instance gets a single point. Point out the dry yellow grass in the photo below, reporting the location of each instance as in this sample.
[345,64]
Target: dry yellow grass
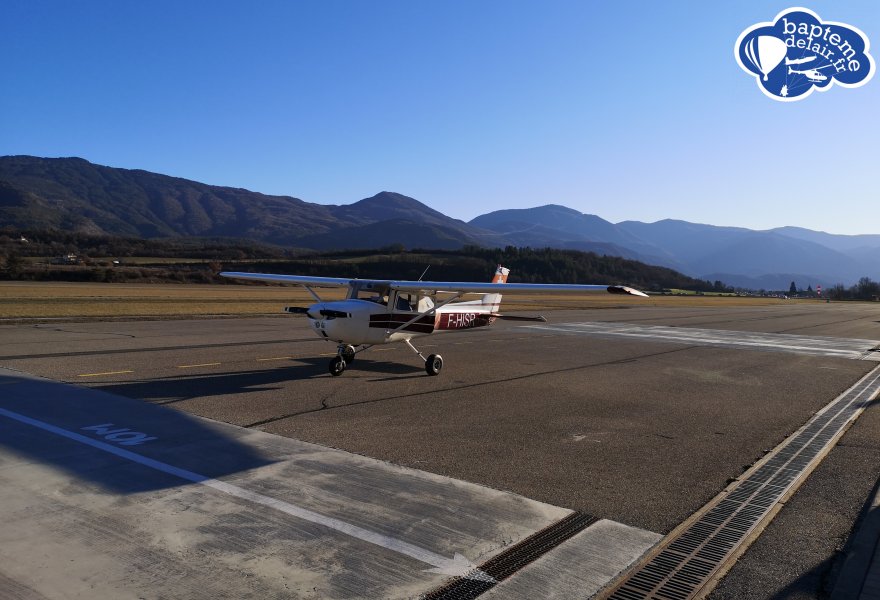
[23,300]
[74,300]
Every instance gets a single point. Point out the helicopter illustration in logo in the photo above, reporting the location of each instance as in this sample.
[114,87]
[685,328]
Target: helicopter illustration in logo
[813,74]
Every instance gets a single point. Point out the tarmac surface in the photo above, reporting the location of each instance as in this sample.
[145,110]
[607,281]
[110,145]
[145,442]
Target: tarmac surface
[608,413]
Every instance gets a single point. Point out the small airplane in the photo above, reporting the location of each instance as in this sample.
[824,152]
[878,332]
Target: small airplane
[812,74]
[378,311]
[799,61]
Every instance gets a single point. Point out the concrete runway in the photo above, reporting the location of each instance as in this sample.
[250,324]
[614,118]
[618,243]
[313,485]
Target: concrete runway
[640,430]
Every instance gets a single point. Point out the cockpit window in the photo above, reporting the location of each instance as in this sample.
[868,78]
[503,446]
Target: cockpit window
[378,296]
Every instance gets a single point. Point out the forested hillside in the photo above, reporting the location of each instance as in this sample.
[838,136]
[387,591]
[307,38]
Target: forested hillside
[33,254]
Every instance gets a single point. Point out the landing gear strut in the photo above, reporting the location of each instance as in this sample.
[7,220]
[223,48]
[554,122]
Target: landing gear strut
[433,363]
[345,356]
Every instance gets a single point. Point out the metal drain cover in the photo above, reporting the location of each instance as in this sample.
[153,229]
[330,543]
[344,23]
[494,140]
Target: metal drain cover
[689,561]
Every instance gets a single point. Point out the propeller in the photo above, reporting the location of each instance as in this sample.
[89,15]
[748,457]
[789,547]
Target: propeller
[324,312]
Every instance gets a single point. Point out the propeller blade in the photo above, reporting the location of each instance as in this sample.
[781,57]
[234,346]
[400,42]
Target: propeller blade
[324,312]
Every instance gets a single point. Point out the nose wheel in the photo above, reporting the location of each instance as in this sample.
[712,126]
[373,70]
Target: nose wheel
[337,366]
[344,357]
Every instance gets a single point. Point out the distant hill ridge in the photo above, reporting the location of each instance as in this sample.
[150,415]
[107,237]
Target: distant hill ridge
[75,195]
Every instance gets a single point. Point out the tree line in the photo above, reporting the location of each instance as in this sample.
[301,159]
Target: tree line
[865,289]
[101,258]
[31,255]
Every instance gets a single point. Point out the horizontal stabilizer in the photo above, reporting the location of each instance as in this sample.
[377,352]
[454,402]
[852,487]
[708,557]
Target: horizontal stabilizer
[622,289]
[539,318]
[297,310]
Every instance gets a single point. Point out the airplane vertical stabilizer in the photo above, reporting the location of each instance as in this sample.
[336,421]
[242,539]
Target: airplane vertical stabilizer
[494,300]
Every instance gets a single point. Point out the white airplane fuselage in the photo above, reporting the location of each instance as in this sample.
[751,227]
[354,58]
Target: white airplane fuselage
[368,322]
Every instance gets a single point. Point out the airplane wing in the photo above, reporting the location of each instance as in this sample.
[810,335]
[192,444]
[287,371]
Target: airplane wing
[317,282]
[454,287]
[432,287]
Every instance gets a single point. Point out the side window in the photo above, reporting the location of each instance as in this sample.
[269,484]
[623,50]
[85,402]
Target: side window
[404,302]
[425,304]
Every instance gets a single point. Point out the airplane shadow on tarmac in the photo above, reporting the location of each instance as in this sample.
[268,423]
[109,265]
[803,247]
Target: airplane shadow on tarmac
[52,423]
[169,390]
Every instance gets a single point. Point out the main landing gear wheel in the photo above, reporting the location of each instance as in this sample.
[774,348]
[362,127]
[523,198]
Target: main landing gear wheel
[337,366]
[434,364]
[348,354]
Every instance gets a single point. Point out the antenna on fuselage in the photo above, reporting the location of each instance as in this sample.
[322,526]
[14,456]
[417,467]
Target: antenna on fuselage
[423,272]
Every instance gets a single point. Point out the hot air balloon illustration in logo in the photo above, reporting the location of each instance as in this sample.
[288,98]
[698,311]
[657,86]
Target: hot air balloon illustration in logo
[765,52]
[798,52]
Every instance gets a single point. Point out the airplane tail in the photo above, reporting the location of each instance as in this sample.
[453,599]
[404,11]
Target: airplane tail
[493,301]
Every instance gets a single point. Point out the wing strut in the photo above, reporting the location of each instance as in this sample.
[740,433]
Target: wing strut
[430,311]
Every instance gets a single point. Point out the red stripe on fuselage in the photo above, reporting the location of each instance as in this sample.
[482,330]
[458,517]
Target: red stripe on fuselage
[394,320]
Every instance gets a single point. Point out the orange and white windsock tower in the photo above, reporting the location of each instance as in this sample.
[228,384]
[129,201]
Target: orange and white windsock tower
[500,275]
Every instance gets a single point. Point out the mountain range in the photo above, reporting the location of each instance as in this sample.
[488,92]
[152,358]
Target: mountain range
[74,194]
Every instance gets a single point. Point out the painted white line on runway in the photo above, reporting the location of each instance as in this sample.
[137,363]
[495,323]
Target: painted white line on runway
[102,374]
[855,349]
[456,566]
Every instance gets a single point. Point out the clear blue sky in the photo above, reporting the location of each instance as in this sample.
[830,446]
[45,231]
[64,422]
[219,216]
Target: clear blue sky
[627,110]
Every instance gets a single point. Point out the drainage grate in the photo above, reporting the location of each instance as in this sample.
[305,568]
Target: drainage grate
[513,559]
[688,560]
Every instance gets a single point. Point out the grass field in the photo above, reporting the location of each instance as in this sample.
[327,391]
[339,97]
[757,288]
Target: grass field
[26,300]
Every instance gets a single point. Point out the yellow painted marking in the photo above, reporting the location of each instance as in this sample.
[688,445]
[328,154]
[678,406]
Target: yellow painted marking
[275,358]
[332,354]
[201,365]
[102,374]
[383,349]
